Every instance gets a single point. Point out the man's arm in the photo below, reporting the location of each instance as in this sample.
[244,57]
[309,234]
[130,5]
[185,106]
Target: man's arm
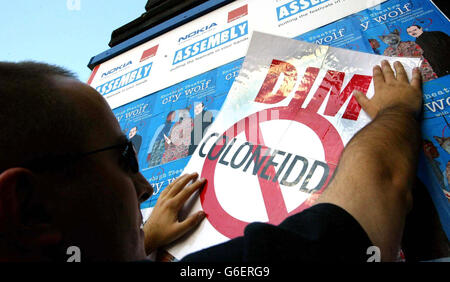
[376,170]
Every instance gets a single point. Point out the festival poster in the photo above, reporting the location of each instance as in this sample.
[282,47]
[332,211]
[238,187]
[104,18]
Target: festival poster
[222,36]
[434,166]
[160,176]
[131,75]
[181,108]
[293,17]
[344,33]
[277,139]
[136,119]
[210,41]
[409,28]
[226,75]
[157,141]
[162,125]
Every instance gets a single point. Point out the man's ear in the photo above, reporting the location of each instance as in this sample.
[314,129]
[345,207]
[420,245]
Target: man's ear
[11,185]
[22,217]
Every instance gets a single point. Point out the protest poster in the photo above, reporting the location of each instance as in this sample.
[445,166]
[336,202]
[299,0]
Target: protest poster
[278,137]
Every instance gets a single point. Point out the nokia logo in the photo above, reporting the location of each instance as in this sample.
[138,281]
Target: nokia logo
[198,31]
[113,70]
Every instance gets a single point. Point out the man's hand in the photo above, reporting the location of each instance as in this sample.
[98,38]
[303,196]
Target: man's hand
[392,90]
[163,226]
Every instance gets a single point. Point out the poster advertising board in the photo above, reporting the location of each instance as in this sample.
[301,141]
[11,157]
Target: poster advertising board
[211,41]
[153,86]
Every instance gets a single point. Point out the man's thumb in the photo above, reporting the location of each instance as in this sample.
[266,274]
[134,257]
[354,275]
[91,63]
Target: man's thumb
[362,99]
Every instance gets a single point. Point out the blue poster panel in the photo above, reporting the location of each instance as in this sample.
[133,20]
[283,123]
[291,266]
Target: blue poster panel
[409,28]
[344,33]
[434,166]
[166,127]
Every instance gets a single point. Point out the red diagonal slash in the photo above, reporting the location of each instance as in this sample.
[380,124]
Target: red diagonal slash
[232,227]
[271,191]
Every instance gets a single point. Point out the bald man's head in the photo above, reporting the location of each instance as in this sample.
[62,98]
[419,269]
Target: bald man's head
[89,196]
[37,116]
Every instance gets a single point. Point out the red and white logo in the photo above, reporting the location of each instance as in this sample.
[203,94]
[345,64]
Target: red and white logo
[238,13]
[149,53]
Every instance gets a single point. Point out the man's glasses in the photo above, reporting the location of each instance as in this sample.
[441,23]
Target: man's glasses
[128,159]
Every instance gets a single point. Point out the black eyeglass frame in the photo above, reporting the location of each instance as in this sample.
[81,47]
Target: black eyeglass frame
[54,162]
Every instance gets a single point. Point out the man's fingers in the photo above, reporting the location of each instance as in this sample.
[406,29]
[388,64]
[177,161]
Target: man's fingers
[181,183]
[378,77]
[400,72]
[387,71]
[190,222]
[416,80]
[169,187]
[184,195]
[364,102]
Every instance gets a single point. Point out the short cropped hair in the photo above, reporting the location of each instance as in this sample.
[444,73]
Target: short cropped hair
[34,117]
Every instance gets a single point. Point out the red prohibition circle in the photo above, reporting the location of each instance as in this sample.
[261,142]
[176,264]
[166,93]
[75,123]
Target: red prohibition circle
[232,227]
